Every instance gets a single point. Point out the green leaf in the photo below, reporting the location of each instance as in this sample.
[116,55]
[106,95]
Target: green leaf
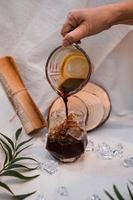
[8,148]
[16,197]
[112,198]
[22,143]
[18,175]
[3,185]
[118,194]
[18,133]
[23,196]
[23,158]
[18,152]
[9,140]
[130,193]
[11,152]
[21,166]
[6,155]
[131,182]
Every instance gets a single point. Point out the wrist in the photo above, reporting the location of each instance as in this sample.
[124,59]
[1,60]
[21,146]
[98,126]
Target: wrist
[122,12]
[112,14]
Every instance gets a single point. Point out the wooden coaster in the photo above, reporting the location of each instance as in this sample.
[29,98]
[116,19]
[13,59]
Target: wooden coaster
[103,96]
[95,109]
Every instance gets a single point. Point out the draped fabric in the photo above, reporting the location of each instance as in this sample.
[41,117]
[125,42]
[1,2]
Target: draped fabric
[29,31]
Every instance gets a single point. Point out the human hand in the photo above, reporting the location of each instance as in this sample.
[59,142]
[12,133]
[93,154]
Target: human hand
[81,23]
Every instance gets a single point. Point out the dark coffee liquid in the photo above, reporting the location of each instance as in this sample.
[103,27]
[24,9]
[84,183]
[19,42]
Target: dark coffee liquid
[66,141]
[65,99]
[68,86]
[66,106]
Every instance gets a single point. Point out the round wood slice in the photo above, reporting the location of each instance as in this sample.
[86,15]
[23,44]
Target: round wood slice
[75,105]
[95,109]
[103,95]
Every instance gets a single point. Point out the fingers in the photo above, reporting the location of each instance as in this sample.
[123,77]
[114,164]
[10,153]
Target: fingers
[70,23]
[66,42]
[66,29]
[75,35]
[74,28]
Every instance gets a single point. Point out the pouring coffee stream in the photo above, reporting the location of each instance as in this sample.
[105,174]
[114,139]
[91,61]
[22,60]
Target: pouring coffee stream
[72,72]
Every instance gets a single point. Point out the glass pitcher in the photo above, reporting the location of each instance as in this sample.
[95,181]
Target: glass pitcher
[68,69]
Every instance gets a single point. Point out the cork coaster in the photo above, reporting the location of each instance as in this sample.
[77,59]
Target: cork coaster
[103,96]
[95,109]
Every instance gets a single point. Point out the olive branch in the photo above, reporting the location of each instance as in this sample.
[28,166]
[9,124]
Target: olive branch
[12,151]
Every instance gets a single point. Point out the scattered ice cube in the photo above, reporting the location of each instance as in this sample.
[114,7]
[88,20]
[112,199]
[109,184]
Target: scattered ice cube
[90,146]
[40,197]
[115,152]
[120,146]
[94,197]
[105,151]
[62,191]
[51,166]
[118,151]
[128,162]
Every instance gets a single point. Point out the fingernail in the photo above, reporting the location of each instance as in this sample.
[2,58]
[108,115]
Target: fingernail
[66,43]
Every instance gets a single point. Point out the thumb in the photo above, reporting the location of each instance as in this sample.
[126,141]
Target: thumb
[76,35]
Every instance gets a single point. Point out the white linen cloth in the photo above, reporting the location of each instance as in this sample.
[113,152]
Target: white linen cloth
[29,31]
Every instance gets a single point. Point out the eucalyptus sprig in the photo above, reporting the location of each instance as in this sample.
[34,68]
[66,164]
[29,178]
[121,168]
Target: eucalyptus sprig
[118,194]
[12,151]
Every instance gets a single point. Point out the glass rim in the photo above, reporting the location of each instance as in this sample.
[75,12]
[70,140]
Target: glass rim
[89,64]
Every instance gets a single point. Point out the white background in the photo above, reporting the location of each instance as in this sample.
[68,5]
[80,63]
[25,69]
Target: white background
[29,31]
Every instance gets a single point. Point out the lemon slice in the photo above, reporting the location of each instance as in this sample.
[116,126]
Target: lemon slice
[75,66]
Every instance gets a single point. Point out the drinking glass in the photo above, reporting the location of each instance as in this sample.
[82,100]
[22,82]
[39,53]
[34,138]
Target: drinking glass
[67,140]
